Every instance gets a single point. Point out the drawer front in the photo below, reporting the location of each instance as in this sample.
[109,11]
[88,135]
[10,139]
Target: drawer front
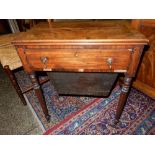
[79,59]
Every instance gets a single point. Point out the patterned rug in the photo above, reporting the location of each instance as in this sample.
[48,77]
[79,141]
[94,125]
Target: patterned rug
[74,115]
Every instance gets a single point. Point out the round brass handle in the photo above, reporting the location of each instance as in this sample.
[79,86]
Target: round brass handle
[109,62]
[76,54]
[44,60]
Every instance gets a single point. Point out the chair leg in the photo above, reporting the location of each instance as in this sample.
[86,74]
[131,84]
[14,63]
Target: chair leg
[14,83]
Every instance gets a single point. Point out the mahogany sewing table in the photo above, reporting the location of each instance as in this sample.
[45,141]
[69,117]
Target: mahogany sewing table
[82,47]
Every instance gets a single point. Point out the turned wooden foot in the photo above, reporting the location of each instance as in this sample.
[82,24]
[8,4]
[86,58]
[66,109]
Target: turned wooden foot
[14,83]
[123,97]
[48,118]
[39,95]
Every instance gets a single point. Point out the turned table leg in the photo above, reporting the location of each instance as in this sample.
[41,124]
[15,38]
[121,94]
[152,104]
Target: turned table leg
[14,83]
[123,97]
[39,95]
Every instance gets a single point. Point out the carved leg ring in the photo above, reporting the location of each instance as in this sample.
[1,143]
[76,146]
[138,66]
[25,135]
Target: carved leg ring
[39,95]
[123,98]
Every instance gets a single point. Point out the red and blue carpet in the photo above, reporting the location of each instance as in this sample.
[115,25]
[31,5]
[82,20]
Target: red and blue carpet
[72,115]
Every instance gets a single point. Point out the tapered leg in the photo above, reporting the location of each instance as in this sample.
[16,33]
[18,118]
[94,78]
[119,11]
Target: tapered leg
[123,98]
[14,83]
[39,95]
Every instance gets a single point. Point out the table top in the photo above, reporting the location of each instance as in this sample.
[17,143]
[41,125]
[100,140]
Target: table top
[75,32]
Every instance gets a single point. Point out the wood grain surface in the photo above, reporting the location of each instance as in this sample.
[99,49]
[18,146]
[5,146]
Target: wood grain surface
[145,79]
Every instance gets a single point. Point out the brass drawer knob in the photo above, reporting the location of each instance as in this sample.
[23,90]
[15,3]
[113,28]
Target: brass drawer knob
[44,60]
[76,54]
[109,62]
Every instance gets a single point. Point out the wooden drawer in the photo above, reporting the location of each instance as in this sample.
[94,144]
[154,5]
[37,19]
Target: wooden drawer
[79,59]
